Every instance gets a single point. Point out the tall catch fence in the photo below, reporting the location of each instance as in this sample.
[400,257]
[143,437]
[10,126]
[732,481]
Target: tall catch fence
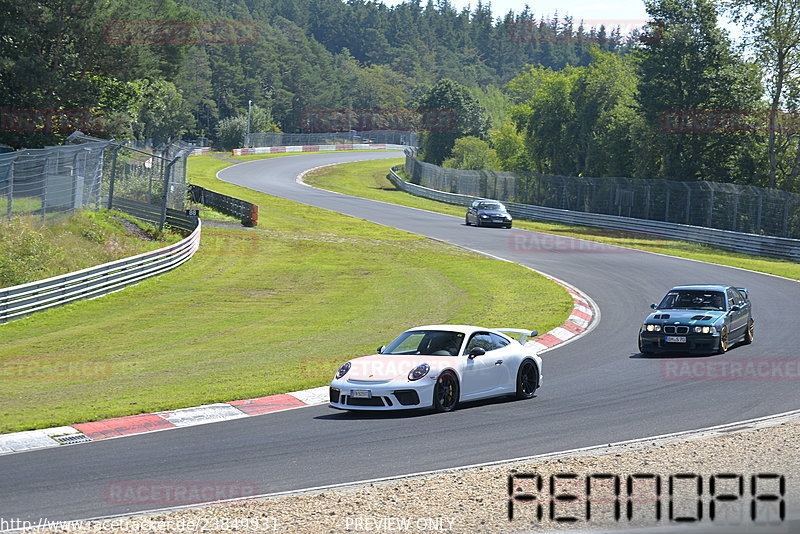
[52,180]
[135,172]
[724,206]
[378,137]
[90,173]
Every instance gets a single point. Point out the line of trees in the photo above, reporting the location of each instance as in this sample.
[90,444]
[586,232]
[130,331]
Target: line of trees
[171,68]
[685,103]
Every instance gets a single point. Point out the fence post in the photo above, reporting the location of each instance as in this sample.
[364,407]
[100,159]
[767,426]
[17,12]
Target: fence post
[786,197]
[688,201]
[113,177]
[11,187]
[758,211]
[165,195]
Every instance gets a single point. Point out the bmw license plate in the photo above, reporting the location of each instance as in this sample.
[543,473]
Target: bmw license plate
[361,394]
[676,339]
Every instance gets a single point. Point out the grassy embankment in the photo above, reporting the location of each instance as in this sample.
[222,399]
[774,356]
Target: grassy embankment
[369,181]
[31,251]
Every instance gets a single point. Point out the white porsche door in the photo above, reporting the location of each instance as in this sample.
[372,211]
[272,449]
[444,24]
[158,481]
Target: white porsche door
[484,374]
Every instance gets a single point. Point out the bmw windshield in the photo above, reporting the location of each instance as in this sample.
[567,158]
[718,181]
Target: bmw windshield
[491,206]
[693,300]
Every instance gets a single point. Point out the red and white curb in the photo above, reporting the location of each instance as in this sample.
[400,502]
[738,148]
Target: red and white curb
[150,422]
[580,320]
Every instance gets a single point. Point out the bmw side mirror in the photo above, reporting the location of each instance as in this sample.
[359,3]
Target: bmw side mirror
[654,306]
[735,307]
[477,351]
[381,349]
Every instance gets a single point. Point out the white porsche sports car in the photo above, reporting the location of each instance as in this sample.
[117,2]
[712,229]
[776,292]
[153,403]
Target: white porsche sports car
[437,367]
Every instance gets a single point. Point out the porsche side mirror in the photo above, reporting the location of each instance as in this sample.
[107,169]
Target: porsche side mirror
[654,306]
[534,333]
[381,349]
[477,351]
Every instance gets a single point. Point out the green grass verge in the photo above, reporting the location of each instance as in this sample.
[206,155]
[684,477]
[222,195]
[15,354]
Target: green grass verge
[368,180]
[255,312]
[32,251]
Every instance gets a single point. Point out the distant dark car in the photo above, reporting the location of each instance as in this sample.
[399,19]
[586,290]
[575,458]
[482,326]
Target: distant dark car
[697,318]
[488,213]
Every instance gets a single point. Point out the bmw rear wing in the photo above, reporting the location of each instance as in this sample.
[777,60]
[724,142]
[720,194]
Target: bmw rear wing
[524,334]
[743,291]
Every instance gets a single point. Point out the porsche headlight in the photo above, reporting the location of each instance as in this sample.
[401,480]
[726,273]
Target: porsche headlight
[343,370]
[419,371]
[652,327]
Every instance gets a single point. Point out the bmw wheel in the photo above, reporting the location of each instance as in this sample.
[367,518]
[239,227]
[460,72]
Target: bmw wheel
[751,330]
[527,380]
[723,341]
[466,220]
[445,393]
[642,351]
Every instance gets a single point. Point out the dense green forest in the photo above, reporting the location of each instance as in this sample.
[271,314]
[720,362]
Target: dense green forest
[677,100]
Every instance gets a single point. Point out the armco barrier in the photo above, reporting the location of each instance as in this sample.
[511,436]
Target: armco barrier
[21,300]
[313,148]
[759,245]
[244,211]
[150,213]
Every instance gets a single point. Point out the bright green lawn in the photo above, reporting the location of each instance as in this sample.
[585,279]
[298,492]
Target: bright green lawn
[368,179]
[255,312]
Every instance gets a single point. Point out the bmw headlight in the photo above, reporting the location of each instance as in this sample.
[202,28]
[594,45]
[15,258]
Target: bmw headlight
[484,216]
[705,330]
[652,327]
[419,371]
[343,370]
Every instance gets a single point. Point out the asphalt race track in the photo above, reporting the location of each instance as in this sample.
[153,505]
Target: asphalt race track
[596,390]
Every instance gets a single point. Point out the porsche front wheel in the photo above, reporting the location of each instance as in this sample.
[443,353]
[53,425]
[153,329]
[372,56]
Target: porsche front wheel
[527,380]
[445,393]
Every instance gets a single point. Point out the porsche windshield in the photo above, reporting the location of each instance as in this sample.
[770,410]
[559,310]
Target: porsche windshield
[429,342]
[693,300]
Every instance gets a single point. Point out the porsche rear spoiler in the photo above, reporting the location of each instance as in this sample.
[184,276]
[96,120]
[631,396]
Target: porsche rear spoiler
[523,333]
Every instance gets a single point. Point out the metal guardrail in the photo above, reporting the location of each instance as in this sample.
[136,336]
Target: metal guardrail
[242,210]
[21,300]
[151,213]
[759,245]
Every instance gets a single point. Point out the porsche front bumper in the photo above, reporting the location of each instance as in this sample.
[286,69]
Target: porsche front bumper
[383,395]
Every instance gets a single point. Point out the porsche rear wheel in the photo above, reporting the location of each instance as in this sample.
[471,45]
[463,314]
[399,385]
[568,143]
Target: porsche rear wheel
[527,380]
[723,341]
[445,393]
[751,330]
